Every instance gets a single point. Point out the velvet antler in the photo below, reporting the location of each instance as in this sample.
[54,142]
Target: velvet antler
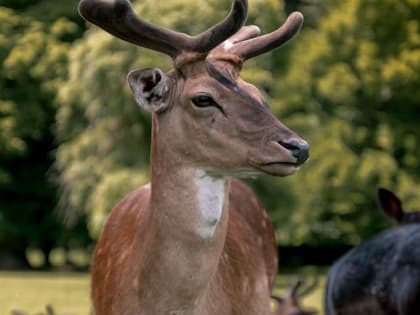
[118,18]
[247,43]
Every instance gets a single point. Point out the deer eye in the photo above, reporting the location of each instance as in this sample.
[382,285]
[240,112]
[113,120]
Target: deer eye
[203,101]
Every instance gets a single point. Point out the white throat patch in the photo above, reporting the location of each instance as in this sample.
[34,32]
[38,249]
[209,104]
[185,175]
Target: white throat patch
[211,194]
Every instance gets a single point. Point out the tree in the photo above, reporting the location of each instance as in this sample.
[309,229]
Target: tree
[352,89]
[348,85]
[33,58]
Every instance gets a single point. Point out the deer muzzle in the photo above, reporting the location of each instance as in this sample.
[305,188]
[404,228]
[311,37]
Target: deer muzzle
[298,149]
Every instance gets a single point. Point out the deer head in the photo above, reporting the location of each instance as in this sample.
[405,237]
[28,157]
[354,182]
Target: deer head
[392,207]
[290,303]
[203,112]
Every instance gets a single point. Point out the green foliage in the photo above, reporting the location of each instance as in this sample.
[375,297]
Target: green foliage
[105,138]
[352,90]
[348,84]
[33,59]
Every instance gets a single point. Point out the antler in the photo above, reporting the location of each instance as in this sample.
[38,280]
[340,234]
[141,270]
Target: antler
[290,303]
[262,44]
[247,44]
[118,18]
[305,291]
[295,288]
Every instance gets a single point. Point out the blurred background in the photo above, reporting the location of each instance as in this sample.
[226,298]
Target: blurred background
[73,142]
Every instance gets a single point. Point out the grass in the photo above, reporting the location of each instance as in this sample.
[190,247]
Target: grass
[31,291]
[68,293]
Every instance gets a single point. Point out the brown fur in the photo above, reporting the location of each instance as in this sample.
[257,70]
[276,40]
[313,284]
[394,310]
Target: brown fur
[196,242]
[248,260]
[150,259]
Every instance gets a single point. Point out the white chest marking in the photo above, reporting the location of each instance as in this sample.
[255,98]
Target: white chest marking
[211,193]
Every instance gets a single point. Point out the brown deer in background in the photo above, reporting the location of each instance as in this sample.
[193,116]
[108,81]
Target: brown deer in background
[290,304]
[195,241]
[382,275]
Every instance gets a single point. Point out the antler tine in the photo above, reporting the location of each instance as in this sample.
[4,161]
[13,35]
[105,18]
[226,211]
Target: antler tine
[50,310]
[209,39]
[294,289]
[310,287]
[118,18]
[262,44]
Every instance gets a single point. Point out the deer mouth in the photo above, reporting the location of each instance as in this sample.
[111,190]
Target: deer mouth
[278,168]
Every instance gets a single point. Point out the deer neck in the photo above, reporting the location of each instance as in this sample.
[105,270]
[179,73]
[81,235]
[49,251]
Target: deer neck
[188,216]
[186,199]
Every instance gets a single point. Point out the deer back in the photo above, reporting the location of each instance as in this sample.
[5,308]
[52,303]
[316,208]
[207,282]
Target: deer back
[382,275]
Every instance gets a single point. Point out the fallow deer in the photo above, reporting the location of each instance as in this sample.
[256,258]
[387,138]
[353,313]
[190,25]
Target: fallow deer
[194,240]
[290,303]
[382,275]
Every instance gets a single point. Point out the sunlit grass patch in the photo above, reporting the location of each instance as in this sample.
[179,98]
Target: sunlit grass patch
[68,293]
[31,291]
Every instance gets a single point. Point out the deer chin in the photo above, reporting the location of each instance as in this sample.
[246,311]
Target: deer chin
[278,168]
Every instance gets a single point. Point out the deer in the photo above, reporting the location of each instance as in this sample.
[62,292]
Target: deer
[289,304]
[382,275]
[196,240]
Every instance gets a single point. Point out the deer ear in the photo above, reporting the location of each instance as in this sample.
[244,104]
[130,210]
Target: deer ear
[390,204]
[150,88]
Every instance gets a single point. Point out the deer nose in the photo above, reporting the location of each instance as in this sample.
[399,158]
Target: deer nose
[300,150]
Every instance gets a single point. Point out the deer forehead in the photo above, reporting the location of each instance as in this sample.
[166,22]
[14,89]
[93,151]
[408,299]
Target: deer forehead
[220,78]
[208,68]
